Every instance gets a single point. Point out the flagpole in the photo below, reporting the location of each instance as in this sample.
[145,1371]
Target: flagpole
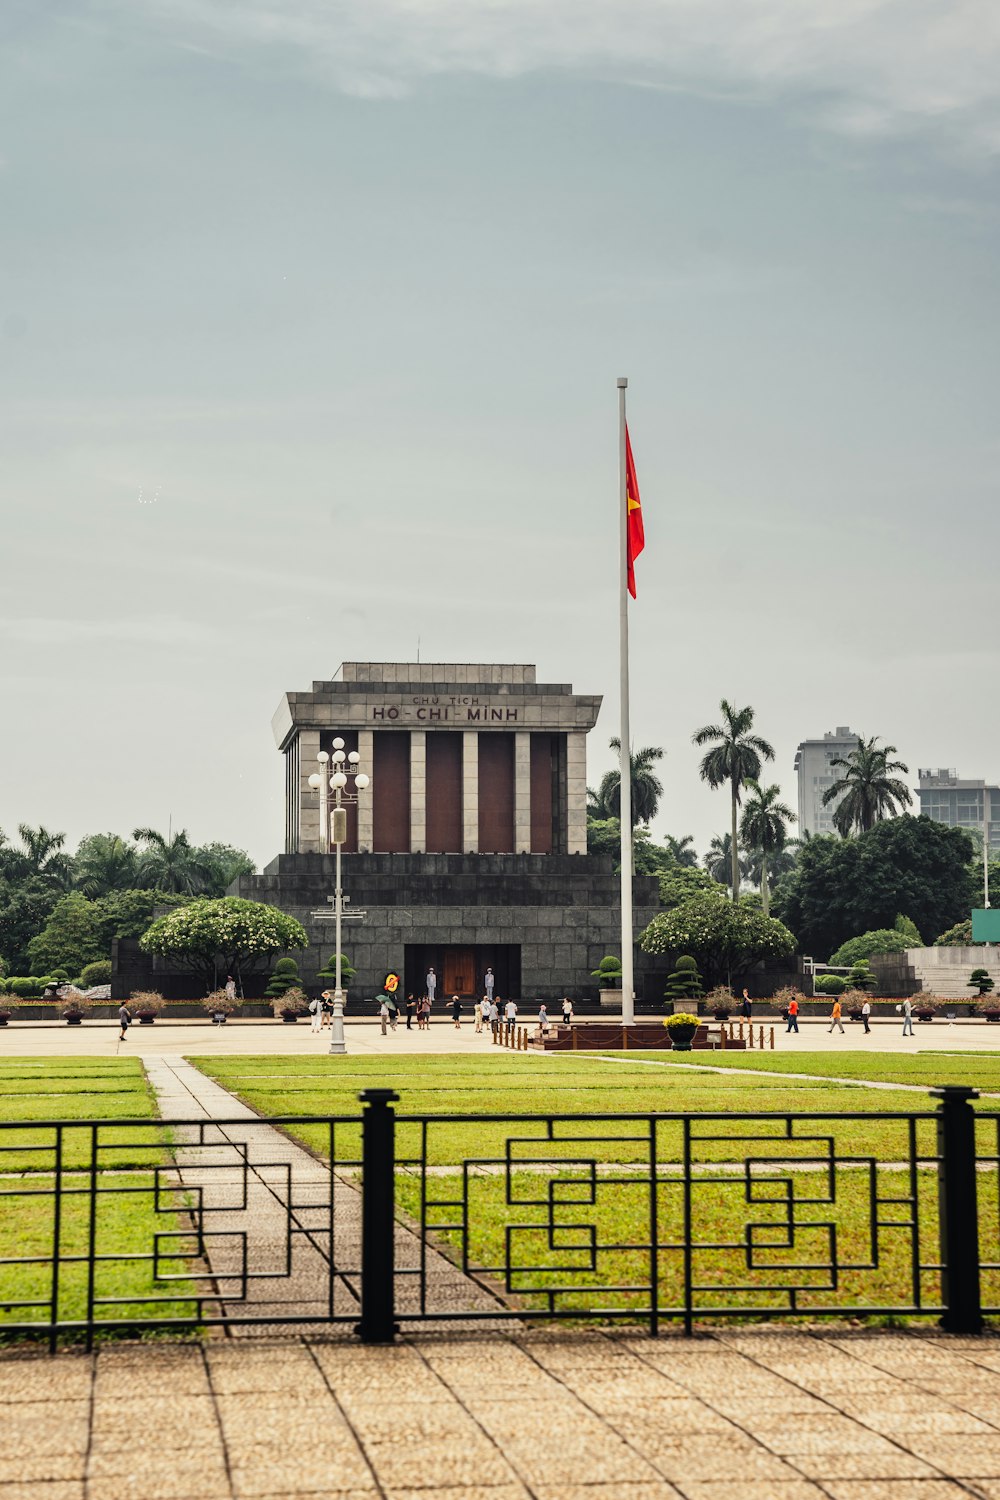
[625,805]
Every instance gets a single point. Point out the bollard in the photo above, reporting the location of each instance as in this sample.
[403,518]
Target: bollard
[749,1035]
[722,1036]
[572,1036]
[760,1039]
[772,1038]
[378,1217]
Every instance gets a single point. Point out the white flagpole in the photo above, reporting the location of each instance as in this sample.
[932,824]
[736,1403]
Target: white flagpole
[628,1010]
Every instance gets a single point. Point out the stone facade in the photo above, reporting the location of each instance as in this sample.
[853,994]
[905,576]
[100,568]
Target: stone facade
[469,849]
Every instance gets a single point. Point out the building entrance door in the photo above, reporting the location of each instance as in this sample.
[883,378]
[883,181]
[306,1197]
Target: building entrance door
[459,972]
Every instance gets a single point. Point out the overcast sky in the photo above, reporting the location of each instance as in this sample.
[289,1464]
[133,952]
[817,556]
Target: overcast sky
[311,314]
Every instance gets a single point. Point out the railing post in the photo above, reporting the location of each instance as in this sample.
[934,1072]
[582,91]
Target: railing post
[958,1213]
[378,1217]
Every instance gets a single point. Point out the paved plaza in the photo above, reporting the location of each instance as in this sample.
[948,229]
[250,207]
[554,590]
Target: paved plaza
[743,1415]
[364,1038]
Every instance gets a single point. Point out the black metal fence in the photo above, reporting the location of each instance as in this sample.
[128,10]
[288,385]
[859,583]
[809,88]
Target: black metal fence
[390,1220]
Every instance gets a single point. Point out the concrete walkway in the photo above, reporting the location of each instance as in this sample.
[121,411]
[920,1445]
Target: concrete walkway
[266,1200]
[744,1415]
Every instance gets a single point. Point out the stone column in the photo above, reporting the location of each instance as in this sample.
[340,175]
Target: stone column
[418,791]
[366,800]
[308,799]
[576,793]
[522,792]
[470,791]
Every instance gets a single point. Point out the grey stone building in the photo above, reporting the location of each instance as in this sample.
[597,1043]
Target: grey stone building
[961,803]
[816,775]
[469,849]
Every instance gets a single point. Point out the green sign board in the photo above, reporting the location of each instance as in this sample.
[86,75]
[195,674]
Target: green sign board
[986,925]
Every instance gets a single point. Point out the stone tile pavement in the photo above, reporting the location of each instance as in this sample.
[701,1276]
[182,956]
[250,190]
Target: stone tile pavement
[733,1415]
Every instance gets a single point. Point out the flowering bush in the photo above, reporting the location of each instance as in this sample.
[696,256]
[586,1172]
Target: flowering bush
[218,1003]
[228,936]
[720,999]
[721,936]
[781,999]
[147,1002]
[294,1002]
[679,1020]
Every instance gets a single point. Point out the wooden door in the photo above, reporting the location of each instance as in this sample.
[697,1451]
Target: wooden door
[459,972]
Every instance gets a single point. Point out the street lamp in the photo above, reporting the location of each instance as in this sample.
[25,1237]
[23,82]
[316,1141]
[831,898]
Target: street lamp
[333,829]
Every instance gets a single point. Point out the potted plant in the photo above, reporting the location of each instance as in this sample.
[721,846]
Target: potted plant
[73,1014]
[285,977]
[851,1002]
[684,983]
[219,1006]
[5,1009]
[782,999]
[609,973]
[682,1028]
[924,1007]
[293,1003]
[147,1005]
[720,1002]
[981,981]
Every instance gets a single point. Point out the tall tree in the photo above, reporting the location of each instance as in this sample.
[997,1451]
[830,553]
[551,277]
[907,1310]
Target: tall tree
[868,789]
[736,759]
[764,829]
[647,788]
[104,862]
[683,850]
[224,864]
[40,855]
[718,859]
[170,864]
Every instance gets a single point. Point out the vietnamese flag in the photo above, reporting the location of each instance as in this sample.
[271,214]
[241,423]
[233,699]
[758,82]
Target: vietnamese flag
[636,539]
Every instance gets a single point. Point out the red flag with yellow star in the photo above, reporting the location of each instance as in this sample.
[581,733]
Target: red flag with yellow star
[635,534]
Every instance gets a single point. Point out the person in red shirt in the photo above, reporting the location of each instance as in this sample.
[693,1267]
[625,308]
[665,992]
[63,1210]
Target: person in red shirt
[793,1015]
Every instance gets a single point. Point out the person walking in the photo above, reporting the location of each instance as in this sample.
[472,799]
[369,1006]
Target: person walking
[124,1020]
[567,1010]
[510,1015]
[383,1014]
[792,1016]
[494,1016]
[835,1019]
[543,1019]
[489,983]
[411,1010]
[456,1012]
[430,984]
[746,1007]
[481,1005]
[392,1005]
[316,1013]
[866,1011]
[907,1008]
[423,1013]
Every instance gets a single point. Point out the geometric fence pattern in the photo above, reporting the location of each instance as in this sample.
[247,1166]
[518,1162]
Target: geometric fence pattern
[641,1218]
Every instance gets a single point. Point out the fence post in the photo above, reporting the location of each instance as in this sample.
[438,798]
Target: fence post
[378,1217]
[958,1210]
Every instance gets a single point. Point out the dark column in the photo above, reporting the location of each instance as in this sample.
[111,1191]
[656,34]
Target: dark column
[444,792]
[496,793]
[391,804]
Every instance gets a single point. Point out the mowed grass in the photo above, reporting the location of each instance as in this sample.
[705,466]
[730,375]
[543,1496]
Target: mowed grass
[817,1194]
[115,1164]
[509,1084]
[927,1070]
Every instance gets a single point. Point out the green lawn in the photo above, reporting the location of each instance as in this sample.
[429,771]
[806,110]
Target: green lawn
[577,1221]
[979,1070]
[112,1163]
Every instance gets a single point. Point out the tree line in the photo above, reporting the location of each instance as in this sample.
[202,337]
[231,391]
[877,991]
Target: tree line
[63,910]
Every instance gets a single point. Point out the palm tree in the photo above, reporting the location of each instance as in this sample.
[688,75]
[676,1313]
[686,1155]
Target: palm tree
[104,862]
[764,829]
[169,864]
[683,850]
[718,859]
[736,758]
[777,864]
[868,790]
[646,786]
[40,854]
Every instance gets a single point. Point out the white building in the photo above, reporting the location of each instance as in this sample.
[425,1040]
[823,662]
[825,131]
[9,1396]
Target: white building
[815,772]
[947,798]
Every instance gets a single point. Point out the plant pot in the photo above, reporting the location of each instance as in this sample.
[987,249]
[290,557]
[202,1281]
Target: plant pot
[681,1037]
[146,1018]
[611,999]
[74,1020]
[924,1015]
[4,1018]
[721,1014]
[992,1015]
[289,1017]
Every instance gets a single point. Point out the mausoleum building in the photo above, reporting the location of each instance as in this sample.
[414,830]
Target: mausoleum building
[469,848]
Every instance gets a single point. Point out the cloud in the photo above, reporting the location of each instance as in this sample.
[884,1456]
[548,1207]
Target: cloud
[870,67]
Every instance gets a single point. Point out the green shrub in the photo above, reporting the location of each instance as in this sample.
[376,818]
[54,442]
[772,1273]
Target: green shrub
[285,977]
[609,972]
[861,977]
[959,936]
[829,984]
[24,988]
[685,981]
[99,972]
[328,973]
[981,980]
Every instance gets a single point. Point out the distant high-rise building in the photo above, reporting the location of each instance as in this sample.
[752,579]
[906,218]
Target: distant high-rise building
[947,798]
[812,762]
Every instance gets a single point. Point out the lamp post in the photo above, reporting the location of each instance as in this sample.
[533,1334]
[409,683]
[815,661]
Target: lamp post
[333,829]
